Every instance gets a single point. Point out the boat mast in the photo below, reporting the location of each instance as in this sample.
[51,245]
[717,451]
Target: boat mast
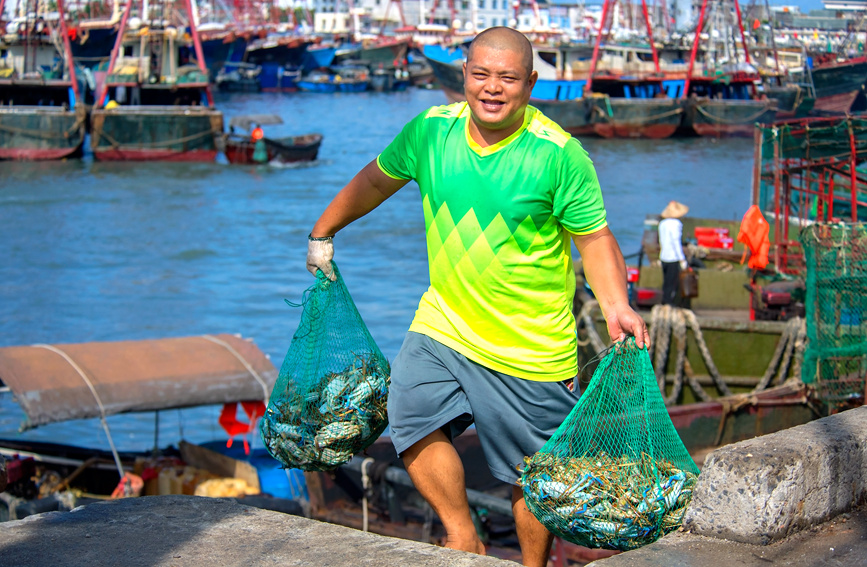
[650,35]
[694,49]
[606,7]
[67,48]
[100,99]
[200,57]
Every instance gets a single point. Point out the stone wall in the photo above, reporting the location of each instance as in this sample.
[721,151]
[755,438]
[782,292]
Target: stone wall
[765,489]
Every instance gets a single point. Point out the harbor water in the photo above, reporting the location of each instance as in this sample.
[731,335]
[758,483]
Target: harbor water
[121,251]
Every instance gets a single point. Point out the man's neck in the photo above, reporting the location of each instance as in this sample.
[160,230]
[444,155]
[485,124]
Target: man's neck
[486,137]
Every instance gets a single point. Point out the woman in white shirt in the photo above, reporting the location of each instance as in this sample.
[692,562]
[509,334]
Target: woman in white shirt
[671,251]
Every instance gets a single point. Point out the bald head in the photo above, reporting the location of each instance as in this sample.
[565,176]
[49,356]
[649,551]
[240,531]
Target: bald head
[505,39]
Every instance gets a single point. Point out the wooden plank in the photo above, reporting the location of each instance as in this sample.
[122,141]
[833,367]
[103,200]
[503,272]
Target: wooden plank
[222,465]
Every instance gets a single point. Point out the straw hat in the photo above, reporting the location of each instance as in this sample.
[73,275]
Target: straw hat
[674,210]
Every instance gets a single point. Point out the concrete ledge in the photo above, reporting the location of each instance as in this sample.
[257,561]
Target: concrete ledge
[181,531]
[767,488]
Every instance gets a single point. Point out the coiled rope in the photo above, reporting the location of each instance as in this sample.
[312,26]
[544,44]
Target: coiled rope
[669,322]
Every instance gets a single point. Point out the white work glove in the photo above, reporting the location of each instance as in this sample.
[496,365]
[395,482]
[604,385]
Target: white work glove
[320,252]
[682,264]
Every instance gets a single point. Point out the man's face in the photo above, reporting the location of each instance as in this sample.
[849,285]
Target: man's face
[497,87]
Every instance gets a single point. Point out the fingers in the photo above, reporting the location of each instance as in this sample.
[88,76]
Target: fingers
[628,323]
[330,272]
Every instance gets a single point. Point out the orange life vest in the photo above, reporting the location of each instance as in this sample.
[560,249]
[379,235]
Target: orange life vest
[754,235]
[257,134]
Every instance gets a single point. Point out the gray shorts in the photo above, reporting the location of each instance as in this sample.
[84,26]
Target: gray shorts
[433,387]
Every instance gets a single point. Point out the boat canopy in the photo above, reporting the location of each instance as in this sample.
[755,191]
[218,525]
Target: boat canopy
[249,121]
[54,383]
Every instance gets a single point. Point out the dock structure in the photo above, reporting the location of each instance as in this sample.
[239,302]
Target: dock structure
[796,497]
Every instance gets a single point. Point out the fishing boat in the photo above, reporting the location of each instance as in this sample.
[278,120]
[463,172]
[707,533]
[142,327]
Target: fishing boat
[836,82]
[155,102]
[242,149]
[55,385]
[221,46]
[345,79]
[387,51]
[42,116]
[239,77]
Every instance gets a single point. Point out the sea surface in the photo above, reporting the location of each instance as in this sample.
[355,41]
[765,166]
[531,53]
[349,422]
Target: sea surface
[94,251]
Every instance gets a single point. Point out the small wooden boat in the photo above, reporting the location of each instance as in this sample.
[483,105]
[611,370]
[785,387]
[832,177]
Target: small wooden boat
[242,148]
[53,384]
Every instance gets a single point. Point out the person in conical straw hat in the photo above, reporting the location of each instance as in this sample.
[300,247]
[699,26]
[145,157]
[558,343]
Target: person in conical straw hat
[674,210]
[671,254]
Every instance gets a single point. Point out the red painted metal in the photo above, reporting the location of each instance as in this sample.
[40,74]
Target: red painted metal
[743,35]
[650,35]
[836,103]
[744,40]
[621,130]
[197,45]
[100,99]
[67,48]
[154,155]
[694,49]
[605,9]
[40,154]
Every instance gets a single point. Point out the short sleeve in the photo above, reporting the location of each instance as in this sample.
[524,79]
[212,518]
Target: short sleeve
[399,158]
[578,202]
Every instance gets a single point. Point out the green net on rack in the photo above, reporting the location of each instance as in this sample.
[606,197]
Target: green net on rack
[329,401]
[835,359]
[615,474]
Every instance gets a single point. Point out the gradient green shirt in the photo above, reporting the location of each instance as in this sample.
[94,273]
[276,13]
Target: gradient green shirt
[498,223]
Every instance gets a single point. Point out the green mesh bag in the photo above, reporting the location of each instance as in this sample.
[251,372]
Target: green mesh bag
[329,401]
[615,474]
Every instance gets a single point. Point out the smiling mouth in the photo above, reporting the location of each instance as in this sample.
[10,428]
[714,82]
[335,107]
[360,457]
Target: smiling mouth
[492,105]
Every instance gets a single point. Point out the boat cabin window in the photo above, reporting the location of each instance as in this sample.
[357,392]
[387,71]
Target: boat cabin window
[127,50]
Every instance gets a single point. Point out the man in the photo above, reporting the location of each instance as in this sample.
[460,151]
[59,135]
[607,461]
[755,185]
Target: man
[504,190]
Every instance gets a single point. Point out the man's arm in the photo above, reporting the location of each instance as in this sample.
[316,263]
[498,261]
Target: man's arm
[367,190]
[605,271]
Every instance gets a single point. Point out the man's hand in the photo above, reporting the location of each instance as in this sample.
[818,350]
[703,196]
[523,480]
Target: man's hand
[320,252]
[623,321]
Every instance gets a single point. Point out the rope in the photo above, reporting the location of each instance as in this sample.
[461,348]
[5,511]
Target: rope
[87,381]
[668,321]
[246,364]
[705,353]
[118,146]
[45,135]
[714,118]
[648,119]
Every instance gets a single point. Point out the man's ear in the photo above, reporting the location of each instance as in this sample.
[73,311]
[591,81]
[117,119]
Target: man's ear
[534,76]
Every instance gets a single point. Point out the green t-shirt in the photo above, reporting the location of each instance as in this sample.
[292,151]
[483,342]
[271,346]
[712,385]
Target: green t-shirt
[498,221]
